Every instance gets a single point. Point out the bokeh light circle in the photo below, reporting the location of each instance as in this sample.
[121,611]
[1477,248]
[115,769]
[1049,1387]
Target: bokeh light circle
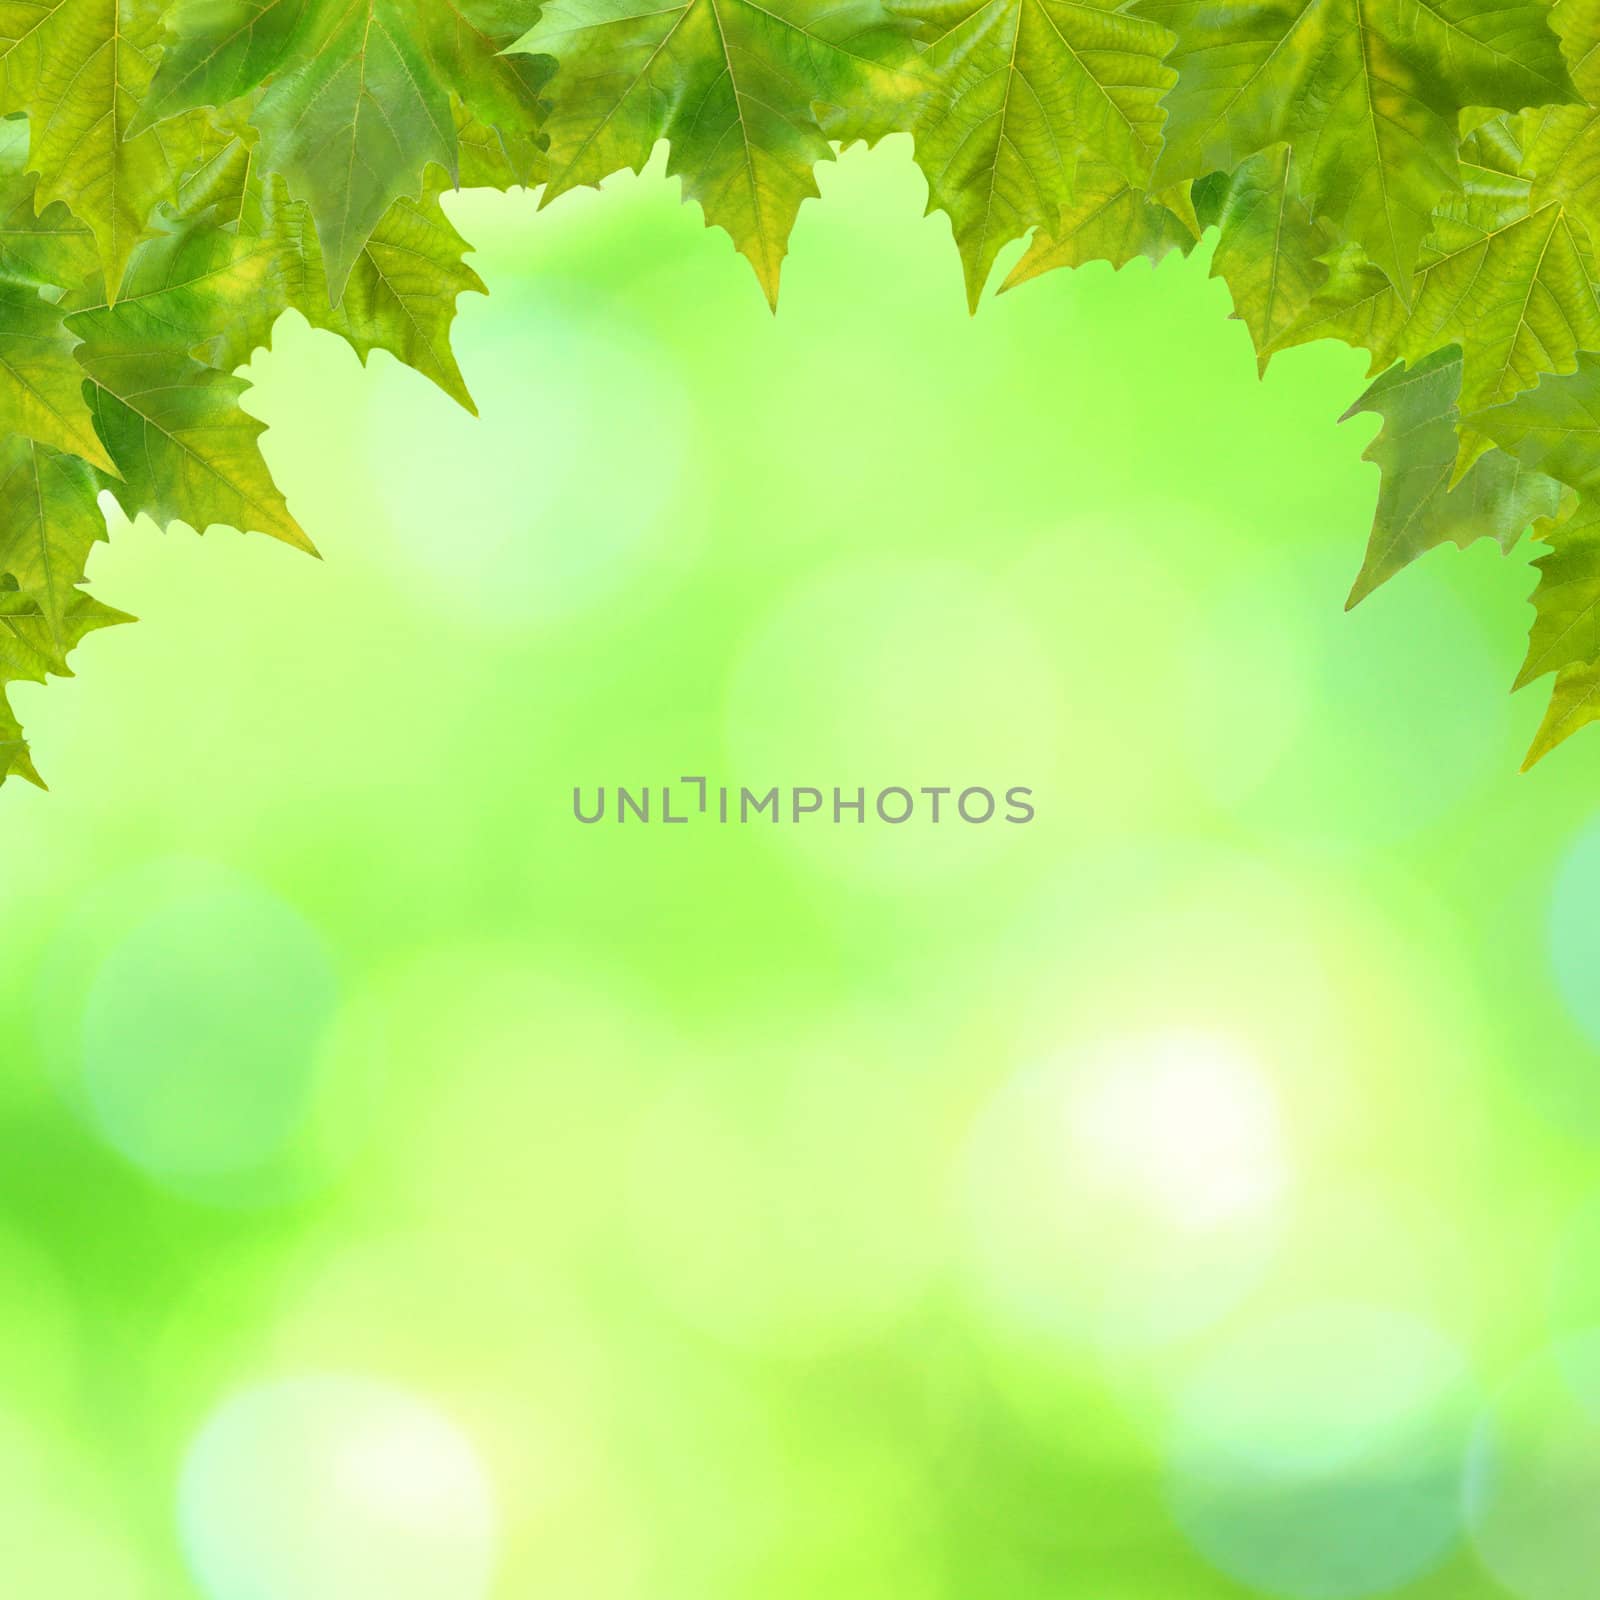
[329,1487]
[1319,1455]
[502,518]
[199,1033]
[1130,1194]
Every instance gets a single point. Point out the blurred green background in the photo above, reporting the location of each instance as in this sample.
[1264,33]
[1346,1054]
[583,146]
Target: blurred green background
[406,1193]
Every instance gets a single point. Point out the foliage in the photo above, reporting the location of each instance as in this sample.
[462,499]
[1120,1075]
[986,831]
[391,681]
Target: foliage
[1417,178]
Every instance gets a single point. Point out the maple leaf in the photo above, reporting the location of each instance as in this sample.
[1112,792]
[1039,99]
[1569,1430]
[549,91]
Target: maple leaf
[747,95]
[1507,279]
[402,289]
[1021,90]
[41,383]
[208,292]
[79,70]
[218,50]
[364,100]
[32,649]
[41,246]
[1419,178]
[1369,91]
[1110,220]
[1555,429]
[185,448]
[50,519]
[14,756]
[1563,141]
[1269,244]
[219,278]
[1418,509]
[498,158]
[1566,623]
[1574,704]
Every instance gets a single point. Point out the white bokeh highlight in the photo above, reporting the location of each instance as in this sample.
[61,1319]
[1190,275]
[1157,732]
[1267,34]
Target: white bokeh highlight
[502,519]
[196,1047]
[330,1487]
[1129,1194]
[1185,1120]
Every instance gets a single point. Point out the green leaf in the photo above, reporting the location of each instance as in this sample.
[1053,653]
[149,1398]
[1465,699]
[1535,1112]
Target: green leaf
[41,247]
[1415,450]
[1109,221]
[1414,177]
[80,69]
[14,757]
[364,104]
[41,383]
[1566,623]
[1518,298]
[186,450]
[736,87]
[491,158]
[1021,90]
[209,293]
[217,50]
[1563,142]
[1506,280]
[1368,91]
[1574,704]
[1554,428]
[402,291]
[1269,247]
[50,519]
[217,293]
[228,178]
[30,650]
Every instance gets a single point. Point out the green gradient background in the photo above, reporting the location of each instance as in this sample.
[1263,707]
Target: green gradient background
[1184,1196]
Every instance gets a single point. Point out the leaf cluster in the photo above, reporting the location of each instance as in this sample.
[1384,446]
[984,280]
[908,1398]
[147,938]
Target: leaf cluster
[1417,178]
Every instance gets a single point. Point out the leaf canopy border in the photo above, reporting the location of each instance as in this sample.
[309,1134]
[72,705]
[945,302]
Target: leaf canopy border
[1419,179]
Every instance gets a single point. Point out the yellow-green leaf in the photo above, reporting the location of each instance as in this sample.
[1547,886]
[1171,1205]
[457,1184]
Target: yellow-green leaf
[1418,509]
[364,102]
[185,448]
[30,650]
[1021,91]
[1574,704]
[1269,246]
[1566,621]
[741,90]
[1369,91]
[50,519]
[41,383]
[1506,280]
[80,69]
[1110,220]
[402,291]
